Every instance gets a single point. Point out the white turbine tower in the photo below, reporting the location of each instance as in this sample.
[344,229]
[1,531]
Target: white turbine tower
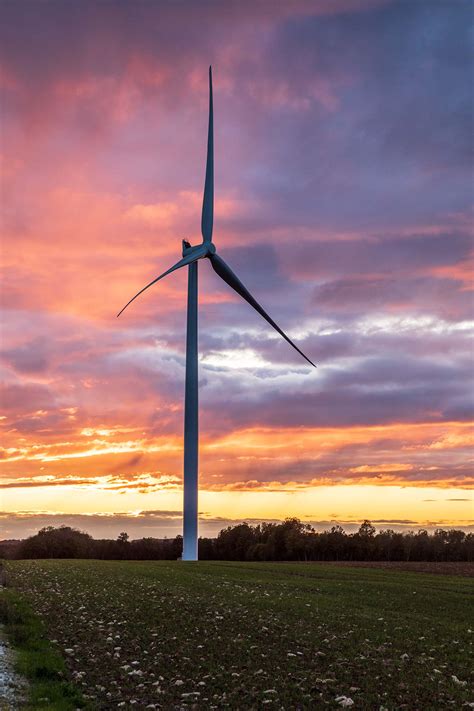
[191,255]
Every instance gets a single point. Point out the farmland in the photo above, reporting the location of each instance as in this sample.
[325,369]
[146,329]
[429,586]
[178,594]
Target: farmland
[254,635]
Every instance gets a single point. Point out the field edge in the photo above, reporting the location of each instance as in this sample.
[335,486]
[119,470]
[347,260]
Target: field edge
[36,659]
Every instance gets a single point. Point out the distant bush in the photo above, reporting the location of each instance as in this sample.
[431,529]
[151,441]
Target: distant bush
[289,540]
[67,542]
[62,542]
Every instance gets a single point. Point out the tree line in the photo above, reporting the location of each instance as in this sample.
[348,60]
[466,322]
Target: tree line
[290,540]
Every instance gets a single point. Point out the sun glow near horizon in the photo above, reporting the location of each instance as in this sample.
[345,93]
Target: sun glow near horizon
[352,242]
[89,508]
[323,474]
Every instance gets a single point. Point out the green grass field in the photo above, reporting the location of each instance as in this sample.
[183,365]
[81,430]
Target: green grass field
[254,635]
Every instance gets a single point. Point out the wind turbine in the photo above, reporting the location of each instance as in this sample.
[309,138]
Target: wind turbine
[191,255]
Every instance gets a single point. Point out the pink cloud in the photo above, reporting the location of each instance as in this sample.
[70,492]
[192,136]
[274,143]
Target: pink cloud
[352,241]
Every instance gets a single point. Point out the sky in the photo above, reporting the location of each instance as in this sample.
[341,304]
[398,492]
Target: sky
[343,169]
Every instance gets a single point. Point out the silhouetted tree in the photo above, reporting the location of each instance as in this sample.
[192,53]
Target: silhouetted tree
[233,542]
[288,540]
[62,542]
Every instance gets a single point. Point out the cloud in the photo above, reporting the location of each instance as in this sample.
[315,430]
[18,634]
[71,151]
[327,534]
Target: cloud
[161,524]
[29,396]
[342,202]
[402,124]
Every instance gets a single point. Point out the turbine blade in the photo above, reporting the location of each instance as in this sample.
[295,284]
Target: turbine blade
[207,217]
[226,273]
[182,263]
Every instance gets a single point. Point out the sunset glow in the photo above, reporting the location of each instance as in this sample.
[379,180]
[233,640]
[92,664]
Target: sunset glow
[343,202]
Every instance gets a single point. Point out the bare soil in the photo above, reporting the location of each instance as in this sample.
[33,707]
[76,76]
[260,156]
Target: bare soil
[466,570]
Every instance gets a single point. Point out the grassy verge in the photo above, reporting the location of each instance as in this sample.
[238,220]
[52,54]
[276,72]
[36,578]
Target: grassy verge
[37,661]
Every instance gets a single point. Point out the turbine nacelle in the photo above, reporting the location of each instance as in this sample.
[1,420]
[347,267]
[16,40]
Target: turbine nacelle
[199,251]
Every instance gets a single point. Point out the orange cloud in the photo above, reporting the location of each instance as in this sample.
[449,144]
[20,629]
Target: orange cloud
[105,131]
[418,452]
